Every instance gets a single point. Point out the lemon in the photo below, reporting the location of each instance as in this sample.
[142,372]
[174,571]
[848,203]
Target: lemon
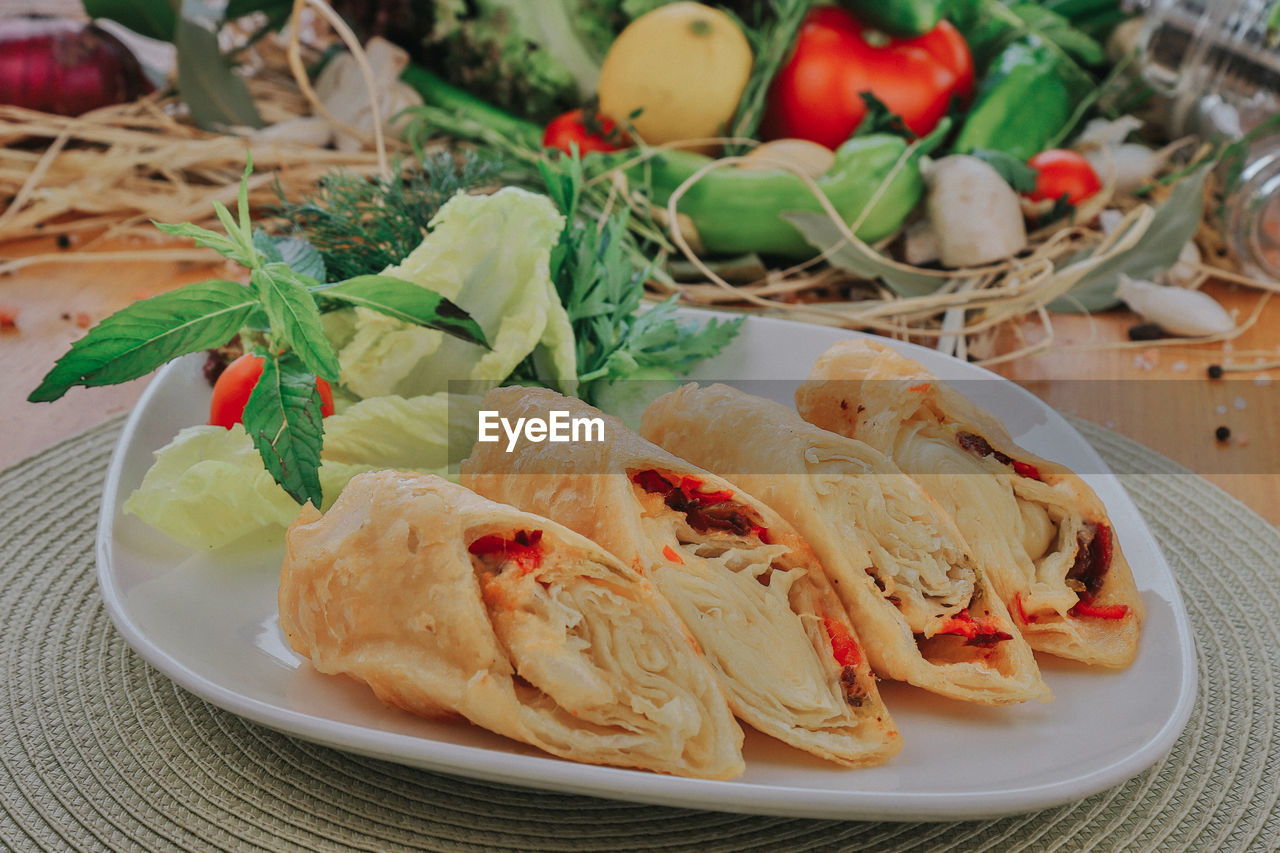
[676,73]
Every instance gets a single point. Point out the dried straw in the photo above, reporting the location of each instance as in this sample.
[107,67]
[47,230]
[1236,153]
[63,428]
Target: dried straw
[972,306]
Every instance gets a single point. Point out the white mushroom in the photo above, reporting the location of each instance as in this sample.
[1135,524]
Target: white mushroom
[1175,309]
[974,212]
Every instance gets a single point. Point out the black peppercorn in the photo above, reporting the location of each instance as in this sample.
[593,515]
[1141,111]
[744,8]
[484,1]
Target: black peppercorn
[1222,433]
[1146,332]
[1215,371]
[64,241]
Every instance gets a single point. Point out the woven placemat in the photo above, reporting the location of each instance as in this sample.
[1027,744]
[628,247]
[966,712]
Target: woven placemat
[100,751]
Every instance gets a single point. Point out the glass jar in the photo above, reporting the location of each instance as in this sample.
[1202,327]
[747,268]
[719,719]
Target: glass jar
[1211,62]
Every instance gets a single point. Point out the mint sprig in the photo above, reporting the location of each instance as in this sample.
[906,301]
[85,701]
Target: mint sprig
[137,340]
[281,303]
[283,418]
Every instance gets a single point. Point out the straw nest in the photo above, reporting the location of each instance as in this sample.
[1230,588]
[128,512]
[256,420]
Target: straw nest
[106,174]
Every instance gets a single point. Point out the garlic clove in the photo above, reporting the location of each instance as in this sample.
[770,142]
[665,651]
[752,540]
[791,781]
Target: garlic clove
[1175,309]
[1110,220]
[1128,166]
[1185,270]
[308,130]
[976,215]
[1103,132]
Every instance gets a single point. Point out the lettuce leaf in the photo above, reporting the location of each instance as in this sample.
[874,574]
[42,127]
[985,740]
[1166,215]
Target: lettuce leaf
[491,256]
[208,487]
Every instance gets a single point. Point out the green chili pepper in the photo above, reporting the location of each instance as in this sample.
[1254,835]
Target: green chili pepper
[737,211]
[1025,103]
[903,18]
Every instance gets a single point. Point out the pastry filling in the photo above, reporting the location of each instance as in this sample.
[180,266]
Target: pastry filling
[522,549]
[733,588]
[581,649]
[846,652]
[705,511]
[984,633]
[978,445]
[1093,559]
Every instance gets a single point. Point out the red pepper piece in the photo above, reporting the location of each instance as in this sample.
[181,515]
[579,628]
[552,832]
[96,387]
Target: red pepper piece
[652,481]
[1021,615]
[984,633]
[1026,469]
[522,549]
[690,485]
[1086,609]
[672,555]
[843,647]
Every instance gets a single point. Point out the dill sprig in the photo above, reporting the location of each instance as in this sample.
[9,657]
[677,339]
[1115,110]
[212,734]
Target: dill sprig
[361,226]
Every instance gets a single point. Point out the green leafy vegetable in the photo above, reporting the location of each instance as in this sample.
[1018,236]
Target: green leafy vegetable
[532,59]
[602,289]
[492,253]
[295,252]
[283,419]
[137,340]
[772,38]
[361,226]
[418,306]
[283,412]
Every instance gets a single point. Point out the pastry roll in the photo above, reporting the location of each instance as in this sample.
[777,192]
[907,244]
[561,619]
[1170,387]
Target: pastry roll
[925,614]
[1035,527]
[749,589]
[446,603]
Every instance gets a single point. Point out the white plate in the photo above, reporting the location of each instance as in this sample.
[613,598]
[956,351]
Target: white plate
[208,621]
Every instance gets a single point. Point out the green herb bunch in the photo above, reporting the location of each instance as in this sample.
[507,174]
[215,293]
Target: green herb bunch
[359,224]
[281,306]
[601,288]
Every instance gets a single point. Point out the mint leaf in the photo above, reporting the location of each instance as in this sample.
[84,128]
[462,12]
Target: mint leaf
[283,418]
[408,302]
[139,338]
[222,244]
[294,317]
[294,252]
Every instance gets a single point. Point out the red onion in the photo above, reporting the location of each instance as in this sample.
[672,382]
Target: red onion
[65,67]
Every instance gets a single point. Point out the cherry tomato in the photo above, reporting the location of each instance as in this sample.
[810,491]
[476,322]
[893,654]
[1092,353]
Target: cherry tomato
[1060,172]
[231,391]
[591,132]
[817,95]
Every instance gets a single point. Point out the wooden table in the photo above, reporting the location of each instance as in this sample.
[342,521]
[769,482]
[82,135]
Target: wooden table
[1160,397]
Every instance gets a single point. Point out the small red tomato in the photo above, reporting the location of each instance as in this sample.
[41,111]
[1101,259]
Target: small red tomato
[817,94]
[589,131]
[1063,173]
[231,391]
